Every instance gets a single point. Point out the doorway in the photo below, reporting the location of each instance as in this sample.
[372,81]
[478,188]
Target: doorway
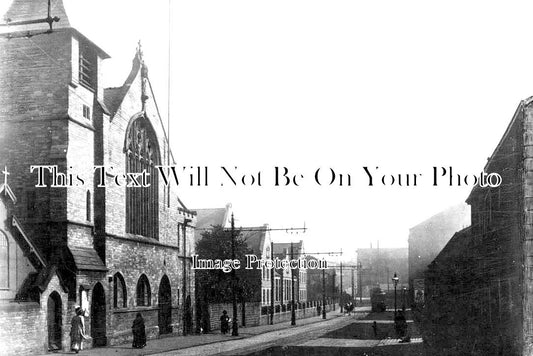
[98,317]
[55,318]
[165,306]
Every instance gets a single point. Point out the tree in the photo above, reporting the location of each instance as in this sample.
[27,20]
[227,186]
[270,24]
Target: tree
[216,286]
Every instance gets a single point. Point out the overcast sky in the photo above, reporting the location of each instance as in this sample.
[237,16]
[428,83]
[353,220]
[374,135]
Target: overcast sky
[399,85]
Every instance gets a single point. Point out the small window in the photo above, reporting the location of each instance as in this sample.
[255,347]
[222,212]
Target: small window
[86,112]
[119,291]
[144,295]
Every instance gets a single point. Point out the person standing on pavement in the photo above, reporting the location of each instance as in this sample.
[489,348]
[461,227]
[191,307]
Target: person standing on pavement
[224,322]
[77,331]
[139,333]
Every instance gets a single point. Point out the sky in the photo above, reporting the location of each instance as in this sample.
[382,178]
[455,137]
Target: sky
[403,86]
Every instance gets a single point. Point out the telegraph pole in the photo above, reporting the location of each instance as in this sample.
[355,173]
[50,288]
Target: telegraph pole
[272,280]
[293,312]
[235,325]
[184,288]
[340,296]
[360,270]
[323,294]
[353,286]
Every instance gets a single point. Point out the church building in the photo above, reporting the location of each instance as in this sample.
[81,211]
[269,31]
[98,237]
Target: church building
[72,235]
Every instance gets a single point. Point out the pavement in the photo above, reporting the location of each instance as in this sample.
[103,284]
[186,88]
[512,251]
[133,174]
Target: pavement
[176,343]
[309,336]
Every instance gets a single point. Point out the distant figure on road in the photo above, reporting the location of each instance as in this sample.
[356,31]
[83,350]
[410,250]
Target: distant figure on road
[318,310]
[139,333]
[400,324]
[224,322]
[375,327]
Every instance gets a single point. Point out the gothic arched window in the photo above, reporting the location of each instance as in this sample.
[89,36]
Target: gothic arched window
[142,154]
[119,291]
[4,261]
[144,295]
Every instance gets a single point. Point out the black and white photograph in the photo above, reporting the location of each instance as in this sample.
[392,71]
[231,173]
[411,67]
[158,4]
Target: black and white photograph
[252,177]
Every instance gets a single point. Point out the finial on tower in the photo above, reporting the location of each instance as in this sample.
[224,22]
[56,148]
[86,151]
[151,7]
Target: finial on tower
[139,51]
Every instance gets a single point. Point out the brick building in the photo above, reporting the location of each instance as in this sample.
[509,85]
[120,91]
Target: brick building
[113,250]
[480,290]
[428,238]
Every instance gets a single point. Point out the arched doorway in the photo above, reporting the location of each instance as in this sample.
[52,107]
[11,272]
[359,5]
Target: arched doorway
[98,316]
[165,306]
[55,318]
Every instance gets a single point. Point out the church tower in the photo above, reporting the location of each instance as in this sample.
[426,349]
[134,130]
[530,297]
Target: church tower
[51,92]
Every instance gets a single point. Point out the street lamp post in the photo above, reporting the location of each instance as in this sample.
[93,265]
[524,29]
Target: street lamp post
[235,326]
[395,279]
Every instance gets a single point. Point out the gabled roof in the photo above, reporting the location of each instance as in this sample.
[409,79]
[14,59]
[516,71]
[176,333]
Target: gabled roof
[6,190]
[519,111]
[255,239]
[36,283]
[207,218]
[456,246]
[113,97]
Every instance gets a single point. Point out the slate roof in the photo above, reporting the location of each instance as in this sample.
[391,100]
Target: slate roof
[255,239]
[87,259]
[113,97]
[207,218]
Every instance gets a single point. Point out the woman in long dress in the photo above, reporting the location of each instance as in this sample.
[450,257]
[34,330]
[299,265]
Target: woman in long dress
[77,331]
[139,334]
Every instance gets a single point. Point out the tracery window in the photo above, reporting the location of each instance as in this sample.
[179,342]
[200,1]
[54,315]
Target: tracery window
[142,203]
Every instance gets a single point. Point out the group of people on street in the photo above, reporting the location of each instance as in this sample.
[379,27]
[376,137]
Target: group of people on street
[349,307]
[77,331]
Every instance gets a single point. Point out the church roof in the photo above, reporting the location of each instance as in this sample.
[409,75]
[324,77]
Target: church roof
[113,97]
[25,10]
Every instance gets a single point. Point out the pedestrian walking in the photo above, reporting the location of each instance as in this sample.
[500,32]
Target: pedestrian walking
[77,331]
[375,327]
[139,332]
